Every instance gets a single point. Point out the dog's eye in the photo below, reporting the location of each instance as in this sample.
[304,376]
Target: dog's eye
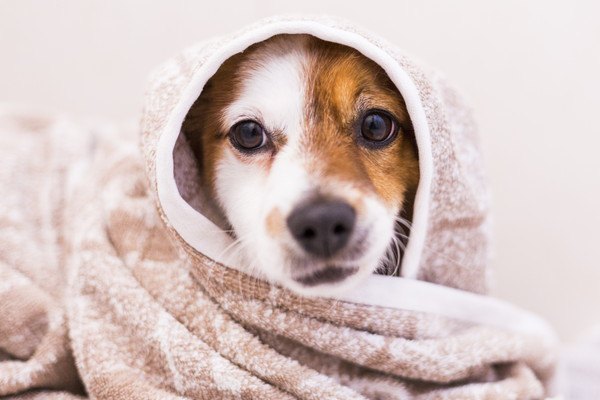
[378,127]
[248,135]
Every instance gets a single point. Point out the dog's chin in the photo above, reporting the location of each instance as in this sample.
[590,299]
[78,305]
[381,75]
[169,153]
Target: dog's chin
[328,280]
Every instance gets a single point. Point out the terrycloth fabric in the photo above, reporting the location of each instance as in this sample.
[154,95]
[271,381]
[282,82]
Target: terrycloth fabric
[110,285]
[582,363]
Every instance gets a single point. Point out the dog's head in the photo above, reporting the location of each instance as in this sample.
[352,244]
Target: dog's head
[308,150]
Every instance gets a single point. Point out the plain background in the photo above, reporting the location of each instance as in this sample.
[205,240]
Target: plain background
[529,68]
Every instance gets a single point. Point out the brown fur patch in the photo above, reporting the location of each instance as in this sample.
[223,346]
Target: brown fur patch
[343,85]
[275,222]
[203,126]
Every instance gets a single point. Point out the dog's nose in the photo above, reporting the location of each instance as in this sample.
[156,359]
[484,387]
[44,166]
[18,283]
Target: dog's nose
[322,227]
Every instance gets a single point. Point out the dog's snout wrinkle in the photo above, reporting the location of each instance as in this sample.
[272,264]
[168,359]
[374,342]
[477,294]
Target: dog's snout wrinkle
[322,227]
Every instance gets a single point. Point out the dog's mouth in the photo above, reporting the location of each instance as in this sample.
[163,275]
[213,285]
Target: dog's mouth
[329,274]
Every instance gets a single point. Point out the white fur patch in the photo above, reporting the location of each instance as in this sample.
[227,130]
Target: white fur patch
[274,94]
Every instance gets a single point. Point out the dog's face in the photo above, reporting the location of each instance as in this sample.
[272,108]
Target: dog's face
[307,148]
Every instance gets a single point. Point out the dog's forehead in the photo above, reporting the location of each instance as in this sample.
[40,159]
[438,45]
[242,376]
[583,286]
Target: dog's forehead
[295,86]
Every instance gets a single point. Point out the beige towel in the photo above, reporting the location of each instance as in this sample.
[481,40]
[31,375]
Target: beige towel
[581,361]
[111,285]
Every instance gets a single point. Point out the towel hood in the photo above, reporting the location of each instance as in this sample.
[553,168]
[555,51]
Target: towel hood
[445,267]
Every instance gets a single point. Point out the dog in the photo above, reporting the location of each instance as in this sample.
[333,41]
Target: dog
[308,152]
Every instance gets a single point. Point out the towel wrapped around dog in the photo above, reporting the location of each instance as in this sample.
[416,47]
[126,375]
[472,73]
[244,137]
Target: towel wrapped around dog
[113,286]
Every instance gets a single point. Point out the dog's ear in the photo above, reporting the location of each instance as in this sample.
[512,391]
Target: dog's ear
[203,132]
[194,125]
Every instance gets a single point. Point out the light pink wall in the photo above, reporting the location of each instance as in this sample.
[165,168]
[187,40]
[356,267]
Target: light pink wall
[531,71]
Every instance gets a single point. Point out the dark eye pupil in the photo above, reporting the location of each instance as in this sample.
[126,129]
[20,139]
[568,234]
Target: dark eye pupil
[377,127]
[248,134]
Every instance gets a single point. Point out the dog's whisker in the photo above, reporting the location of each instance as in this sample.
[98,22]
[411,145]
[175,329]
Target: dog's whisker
[227,248]
[334,303]
[391,257]
[404,222]
[398,246]
[233,248]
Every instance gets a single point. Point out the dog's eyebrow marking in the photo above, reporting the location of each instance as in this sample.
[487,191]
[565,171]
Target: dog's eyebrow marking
[275,222]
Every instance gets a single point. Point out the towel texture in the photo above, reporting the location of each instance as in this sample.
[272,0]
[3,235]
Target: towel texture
[581,361]
[110,287]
